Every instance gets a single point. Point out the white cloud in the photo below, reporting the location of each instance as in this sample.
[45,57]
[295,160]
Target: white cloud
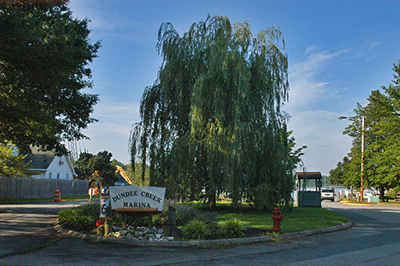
[306,84]
[111,24]
[112,131]
[372,45]
[115,118]
[313,124]
[86,9]
[321,131]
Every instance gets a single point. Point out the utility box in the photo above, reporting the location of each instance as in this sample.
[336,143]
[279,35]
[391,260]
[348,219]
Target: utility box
[373,199]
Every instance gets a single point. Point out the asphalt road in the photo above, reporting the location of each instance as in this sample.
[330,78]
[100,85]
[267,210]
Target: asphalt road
[373,240]
[28,226]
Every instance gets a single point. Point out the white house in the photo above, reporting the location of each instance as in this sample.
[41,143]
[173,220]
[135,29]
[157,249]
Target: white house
[49,165]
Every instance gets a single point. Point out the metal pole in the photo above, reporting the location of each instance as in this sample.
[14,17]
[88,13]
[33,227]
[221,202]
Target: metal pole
[362,158]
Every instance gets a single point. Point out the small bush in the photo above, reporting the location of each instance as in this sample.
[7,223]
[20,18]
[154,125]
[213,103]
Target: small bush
[80,218]
[393,193]
[92,210]
[185,213]
[159,219]
[232,228]
[74,219]
[195,230]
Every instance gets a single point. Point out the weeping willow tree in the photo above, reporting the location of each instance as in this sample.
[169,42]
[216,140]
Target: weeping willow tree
[212,122]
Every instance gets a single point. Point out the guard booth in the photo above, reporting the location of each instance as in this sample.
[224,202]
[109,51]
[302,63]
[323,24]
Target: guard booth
[308,197]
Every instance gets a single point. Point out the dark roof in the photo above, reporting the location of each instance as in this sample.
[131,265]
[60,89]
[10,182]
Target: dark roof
[39,159]
[308,175]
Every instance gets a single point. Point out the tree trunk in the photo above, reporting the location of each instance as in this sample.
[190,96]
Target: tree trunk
[211,198]
[382,195]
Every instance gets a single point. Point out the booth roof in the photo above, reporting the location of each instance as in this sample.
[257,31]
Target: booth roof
[308,175]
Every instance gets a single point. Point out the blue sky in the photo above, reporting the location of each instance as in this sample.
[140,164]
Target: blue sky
[339,51]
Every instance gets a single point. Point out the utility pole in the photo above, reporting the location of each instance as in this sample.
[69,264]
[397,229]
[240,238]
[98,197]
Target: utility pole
[362,159]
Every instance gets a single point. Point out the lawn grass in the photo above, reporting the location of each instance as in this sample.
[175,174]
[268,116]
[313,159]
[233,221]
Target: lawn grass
[300,219]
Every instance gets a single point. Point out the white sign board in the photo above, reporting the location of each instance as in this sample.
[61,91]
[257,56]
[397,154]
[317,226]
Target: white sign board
[137,197]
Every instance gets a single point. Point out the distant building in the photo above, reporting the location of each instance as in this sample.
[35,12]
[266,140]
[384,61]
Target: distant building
[49,165]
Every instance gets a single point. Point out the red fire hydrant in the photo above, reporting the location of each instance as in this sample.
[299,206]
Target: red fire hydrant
[277,219]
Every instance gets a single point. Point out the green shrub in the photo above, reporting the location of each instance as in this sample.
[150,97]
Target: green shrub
[185,213]
[195,230]
[160,219]
[75,220]
[92,210]
[392,193]
[232,228]
[80,218]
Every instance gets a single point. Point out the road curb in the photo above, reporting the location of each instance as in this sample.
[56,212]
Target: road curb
[357,204]
[317,231]
[199,243]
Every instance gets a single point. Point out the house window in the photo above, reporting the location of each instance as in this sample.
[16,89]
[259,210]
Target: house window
[50,175]
[67,176]
[58,175]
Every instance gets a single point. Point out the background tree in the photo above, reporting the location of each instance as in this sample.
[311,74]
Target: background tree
[89,165]
[337,175]
[81,166]
[212,122]
[136,175]
[44,54]
[11,163]
[382,140]
[384,153]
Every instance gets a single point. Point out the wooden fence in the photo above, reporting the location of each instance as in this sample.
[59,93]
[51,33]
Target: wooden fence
[33,188]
